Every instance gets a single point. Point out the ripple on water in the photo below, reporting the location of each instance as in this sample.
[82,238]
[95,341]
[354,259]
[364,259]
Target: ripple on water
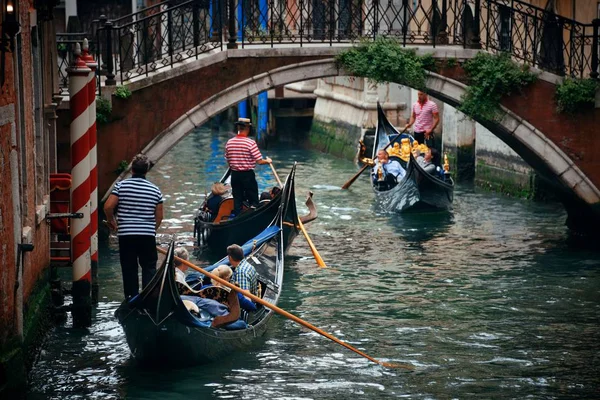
[485,302]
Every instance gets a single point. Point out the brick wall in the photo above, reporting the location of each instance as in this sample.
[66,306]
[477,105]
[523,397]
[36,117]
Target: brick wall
[24,187]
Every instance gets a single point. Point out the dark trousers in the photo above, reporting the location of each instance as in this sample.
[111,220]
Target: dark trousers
[137,250]
[420,137]
[243,188]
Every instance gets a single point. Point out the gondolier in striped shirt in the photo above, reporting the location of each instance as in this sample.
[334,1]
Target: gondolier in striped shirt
[135,210]
[242,154]
[426,117]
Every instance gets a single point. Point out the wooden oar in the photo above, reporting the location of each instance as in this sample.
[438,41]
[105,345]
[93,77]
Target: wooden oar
[316,254]
[286,314]
[351,181]
[276,176]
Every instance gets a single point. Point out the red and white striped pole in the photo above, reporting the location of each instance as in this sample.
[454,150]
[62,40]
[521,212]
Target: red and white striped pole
[80,191]
[93,65]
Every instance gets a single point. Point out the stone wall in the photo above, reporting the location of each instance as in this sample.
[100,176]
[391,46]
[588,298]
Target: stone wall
[26,126]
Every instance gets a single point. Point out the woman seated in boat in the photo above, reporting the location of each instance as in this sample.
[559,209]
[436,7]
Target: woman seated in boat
[427,161]
[225,272]
[386,172]
[267,196]
[218,192]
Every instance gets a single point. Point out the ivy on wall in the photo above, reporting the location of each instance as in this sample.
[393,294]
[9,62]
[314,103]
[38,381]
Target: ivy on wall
[576,95]
[490,76]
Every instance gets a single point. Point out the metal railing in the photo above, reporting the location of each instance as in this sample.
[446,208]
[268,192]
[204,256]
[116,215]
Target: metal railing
[168,33]
[65,48]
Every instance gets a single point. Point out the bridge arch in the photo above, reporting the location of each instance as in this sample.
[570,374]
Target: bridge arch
[532,145]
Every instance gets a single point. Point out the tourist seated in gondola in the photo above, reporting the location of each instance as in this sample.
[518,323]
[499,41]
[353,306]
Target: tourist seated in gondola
[427,160]
[386,173]
[244,274]
[218,192]
[180,267]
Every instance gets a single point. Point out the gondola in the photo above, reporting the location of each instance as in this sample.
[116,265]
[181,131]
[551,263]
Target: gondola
[418,190]
[216,235]
[161,331]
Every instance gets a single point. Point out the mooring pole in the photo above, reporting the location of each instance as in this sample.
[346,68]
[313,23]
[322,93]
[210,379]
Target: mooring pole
[93,65]
[80,190]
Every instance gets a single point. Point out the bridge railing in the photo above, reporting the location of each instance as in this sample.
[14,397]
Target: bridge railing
[539,37]
[171,32]
[158,38]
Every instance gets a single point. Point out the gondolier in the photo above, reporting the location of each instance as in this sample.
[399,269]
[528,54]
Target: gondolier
[425,117]
[242,155]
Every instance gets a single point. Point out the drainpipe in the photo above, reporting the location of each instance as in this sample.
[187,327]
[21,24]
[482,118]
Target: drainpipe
[18,227]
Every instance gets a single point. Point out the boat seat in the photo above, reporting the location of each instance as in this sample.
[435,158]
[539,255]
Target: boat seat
[225,209]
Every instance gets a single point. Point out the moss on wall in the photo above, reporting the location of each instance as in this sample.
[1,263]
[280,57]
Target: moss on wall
[339,139]
[507,182]
[17,358]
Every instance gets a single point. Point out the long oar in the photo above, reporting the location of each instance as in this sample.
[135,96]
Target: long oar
[316,254]
[286,314]
[351,181]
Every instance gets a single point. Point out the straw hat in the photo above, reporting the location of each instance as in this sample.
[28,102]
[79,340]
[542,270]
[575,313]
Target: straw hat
[218,189]
[243,122]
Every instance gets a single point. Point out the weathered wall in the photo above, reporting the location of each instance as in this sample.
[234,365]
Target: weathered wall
[346,108]
[26,109]
[458,141]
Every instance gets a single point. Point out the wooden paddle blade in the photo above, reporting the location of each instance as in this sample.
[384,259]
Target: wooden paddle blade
[316,254]
[396,366]
[351,181]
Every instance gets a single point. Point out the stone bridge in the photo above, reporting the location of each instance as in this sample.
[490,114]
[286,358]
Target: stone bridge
[181,75]
[166,106]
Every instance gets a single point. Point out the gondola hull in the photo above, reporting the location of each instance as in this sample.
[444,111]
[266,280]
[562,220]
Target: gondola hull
[160,330]
[217,237]
[417,191]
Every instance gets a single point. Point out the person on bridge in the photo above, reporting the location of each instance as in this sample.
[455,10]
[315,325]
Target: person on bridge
[242,154]
[426,117]
[135,210]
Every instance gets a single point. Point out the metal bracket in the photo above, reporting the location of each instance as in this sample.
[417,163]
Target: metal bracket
[64,215]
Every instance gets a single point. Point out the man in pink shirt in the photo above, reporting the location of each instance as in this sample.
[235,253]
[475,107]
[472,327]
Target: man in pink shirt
[426,117]
[242,154]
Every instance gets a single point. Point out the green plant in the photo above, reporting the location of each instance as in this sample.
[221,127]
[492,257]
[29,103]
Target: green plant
[575,95]
[384,60]
[490,78]
[451,62]
[429,62]
[103,110]
[121,167]
[122,92]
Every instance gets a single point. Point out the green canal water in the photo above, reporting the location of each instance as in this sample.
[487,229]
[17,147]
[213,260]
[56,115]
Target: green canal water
[492,300]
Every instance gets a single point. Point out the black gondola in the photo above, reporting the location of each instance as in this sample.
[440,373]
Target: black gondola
[160,329]
[418,189]
[218,234]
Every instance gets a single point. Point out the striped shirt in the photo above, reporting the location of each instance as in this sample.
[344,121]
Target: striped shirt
[246,277]
[242,153]
[424,115]
[136,209]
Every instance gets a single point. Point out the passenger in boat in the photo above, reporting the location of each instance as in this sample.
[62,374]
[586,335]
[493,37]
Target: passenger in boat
[224,272]
[242,155]
[265,196]
[244,274]
[425,116]
[180,267]
[426,161]
[387,171]
[218,192]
